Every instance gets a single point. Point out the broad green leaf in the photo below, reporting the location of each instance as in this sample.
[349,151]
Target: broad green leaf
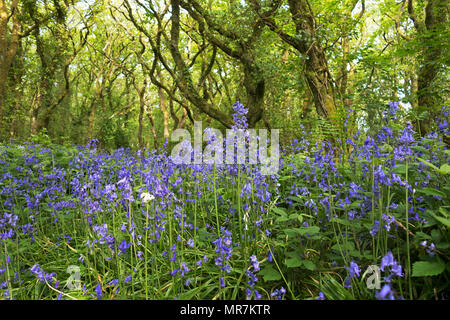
[270,274]
[442,220]
[308,264]
[293,216]
[428,268]
[444,171]
[342,221]
[280,211]
[355,204]
[291,232]
[443,245]
[309,230]
[281,219]
[345,246]
[444,211]
[445,168]
[422,235]
[432,192]
[302,231]
[419,148]
[293,262]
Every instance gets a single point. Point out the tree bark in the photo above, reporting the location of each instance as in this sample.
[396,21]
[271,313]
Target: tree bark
[317,73]
[9,42]
[16,83]
[183,78]
[219,36]
[163,106]
[254,84]
[436,16]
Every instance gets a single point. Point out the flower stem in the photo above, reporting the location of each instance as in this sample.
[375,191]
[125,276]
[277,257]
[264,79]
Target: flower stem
[408,263]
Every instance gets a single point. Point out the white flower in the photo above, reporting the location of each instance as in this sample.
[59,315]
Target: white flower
[145,196]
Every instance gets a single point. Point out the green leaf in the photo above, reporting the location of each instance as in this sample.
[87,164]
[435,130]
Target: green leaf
[302,231]
[280,211]
[432,192]
[442,220]
[445,168]
[344,222]
[270,274]
[345,246]
[419,148]
[443,211]
[308,264]
[427,268]
[281,219]
[333,290]
[293,262]
[355,204]
[400,169]
[422,235]
[443,245]
[309,230]
[292,233]
[293,216]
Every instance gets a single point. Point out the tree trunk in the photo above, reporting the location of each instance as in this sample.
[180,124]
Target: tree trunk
[16,83]
[317,71]
[91,119]
[163,106]
[48,71]
[430,36]
[141,93]
[9,42]
[254,85]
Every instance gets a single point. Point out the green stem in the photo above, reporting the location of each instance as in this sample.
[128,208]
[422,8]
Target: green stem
[145,249]
[408,265]
[285,281]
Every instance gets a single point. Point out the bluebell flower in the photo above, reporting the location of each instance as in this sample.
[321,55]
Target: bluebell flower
[354,269]
[98,291]
[391,113]
[41,275]
[240,121]
[385,293]
[183,269]
[428,248]
[269,256]
[389,261]
[278,293]
[114,282]
[124,246]
[373,232]
[224,249]
[254,262]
